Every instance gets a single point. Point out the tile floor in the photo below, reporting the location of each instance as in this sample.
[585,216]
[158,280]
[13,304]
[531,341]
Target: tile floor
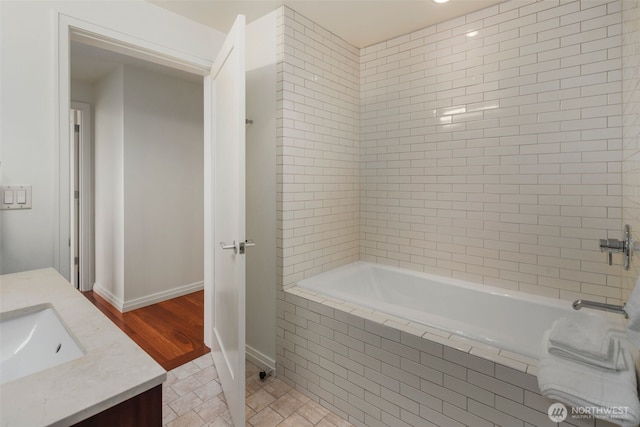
[192,397]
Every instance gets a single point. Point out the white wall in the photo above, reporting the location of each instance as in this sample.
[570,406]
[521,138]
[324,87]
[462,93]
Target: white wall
[163,186]
[29,112]
[28,150]
[261,189]
[82,91]
[109,186]
[149,187]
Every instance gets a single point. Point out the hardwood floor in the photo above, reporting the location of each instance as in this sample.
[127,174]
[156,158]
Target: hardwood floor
[171,332]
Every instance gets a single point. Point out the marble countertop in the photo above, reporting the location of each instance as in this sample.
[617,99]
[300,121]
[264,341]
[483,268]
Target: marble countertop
[112,370]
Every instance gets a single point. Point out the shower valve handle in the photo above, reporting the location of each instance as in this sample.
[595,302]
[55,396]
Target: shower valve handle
[611,246]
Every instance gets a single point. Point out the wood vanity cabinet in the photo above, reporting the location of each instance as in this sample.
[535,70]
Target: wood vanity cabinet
[143,410]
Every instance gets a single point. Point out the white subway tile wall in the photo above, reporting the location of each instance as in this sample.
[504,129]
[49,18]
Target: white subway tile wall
[492,147]
[318,116]
[375,375]
[488,148]
[631,128]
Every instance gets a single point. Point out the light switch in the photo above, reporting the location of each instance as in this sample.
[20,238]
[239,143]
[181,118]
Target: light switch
[15,197]
[21,197]
[7,197]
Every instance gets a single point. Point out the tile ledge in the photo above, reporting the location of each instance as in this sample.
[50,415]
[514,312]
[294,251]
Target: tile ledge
[503,357]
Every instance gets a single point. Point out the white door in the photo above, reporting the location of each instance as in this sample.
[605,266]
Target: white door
[225,211]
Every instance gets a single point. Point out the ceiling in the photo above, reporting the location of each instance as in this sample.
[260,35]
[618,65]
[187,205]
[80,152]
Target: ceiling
[91,63]
[359,22]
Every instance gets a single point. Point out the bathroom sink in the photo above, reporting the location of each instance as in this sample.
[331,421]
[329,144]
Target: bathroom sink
[32,340]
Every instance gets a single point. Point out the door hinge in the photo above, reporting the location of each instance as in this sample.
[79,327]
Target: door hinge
[76,194]
[76,260]
[76,128]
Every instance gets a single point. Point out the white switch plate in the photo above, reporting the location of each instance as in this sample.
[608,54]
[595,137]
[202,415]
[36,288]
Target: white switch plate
[17,200]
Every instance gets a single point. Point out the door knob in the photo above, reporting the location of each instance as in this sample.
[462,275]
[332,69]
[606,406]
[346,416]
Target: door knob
[233,247]
[246,244]
[238,248]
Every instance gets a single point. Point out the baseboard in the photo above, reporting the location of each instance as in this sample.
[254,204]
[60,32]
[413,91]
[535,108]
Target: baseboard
[162,296]
[107,295]
[261,360]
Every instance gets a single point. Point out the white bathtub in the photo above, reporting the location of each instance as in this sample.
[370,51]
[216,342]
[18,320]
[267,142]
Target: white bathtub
[508,320]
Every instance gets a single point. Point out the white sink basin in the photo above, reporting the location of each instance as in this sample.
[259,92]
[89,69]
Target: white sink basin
[32,340]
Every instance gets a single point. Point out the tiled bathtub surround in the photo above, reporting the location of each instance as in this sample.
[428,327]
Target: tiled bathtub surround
[504,357]
[491,148]
[318,149]
[376,375]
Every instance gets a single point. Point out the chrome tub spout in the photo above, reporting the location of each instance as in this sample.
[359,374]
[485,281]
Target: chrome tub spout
[578,304]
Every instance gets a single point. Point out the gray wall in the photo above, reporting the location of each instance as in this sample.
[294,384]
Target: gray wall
[149,194]
[261,190]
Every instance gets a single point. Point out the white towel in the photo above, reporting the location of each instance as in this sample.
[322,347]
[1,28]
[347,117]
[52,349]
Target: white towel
[588,341]
[633,311]
[579,385]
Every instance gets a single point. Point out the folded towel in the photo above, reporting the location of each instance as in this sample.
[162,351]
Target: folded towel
[633,311]
[579,385]
[588,341]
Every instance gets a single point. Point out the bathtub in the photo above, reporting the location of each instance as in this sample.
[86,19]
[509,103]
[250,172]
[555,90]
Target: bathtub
[385,346]
[506,320]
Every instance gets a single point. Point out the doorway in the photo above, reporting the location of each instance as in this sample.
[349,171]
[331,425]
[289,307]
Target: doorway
[148,184]
[67,32]
[81,31]
[148,125]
